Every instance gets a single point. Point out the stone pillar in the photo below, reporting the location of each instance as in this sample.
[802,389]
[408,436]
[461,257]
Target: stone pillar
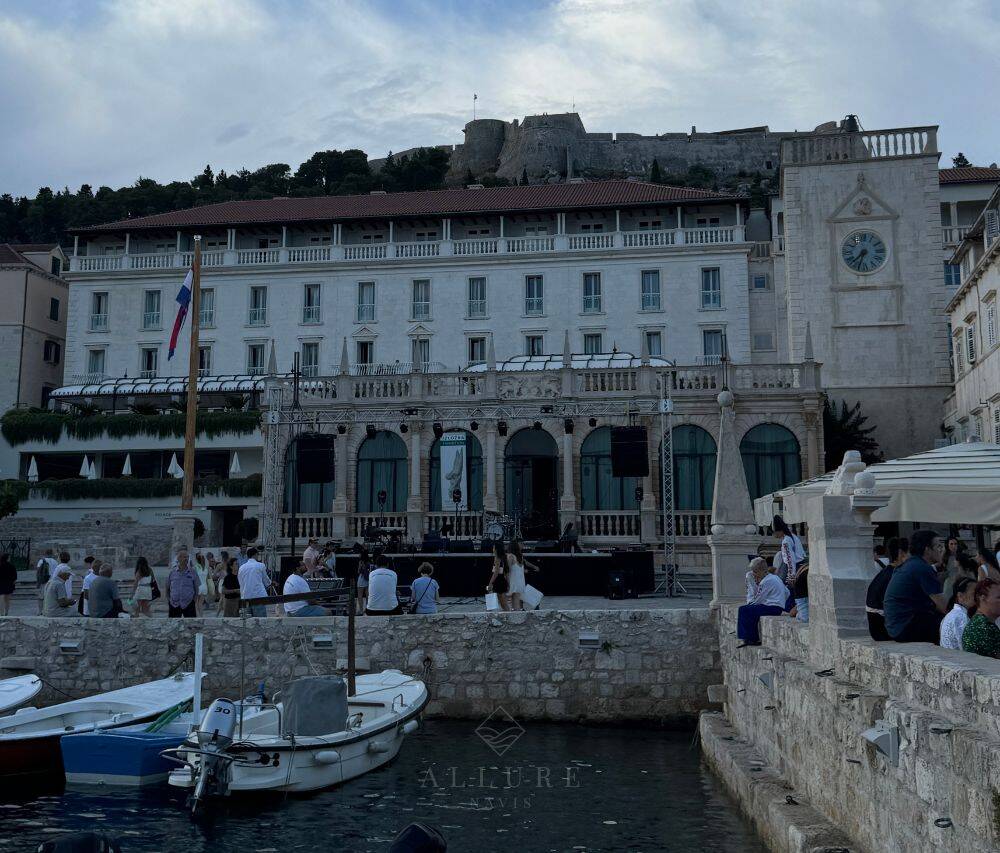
[415,501]
[840,558]
[812,445]
[182,538]
[734,533]
[340,509]
[568,511]
[490,502]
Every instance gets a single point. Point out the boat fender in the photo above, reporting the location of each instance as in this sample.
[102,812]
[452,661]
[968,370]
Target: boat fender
[410,726]
[377,746]
[327,756]
[24,710]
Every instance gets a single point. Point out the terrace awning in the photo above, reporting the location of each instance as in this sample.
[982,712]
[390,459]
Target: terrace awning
[161,385]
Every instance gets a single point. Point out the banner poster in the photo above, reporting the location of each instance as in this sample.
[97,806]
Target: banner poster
[453,470]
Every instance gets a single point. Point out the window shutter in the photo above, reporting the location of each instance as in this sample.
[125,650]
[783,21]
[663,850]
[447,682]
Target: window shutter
[992,226]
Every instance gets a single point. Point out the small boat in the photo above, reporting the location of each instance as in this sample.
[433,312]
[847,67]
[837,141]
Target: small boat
[316,737]
[29,738]
[15,692]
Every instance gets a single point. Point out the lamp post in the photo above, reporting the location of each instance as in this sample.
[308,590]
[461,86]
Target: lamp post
[456,498]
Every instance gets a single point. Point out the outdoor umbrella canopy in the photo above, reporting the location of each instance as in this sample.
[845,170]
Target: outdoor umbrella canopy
[234,467]
[957,484]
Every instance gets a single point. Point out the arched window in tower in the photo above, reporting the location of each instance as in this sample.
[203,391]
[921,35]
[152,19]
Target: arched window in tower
[771,459]
[599,488]
[382,469]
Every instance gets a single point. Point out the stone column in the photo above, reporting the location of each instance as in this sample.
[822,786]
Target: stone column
[415,500]
[734,533]
[341,508]
[812,445]
[840,558]
[490,502]
[568,511]
[182,537]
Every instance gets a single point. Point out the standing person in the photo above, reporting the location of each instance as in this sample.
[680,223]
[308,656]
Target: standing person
[426,592]
[364,569]
[104,600]
[200,569]
[310,557]
[329,560]
[295,583]
[254,582]
[515,579]
[56,602]
[230,590]
[881,557]
[769,601]
[182,589]
[142,595]
[8,581]
[962,606]
[914,603]
[382,599]
[986,561]
[93,570]
[45,570]
[68,576]
[792,552]
[899,552]
[498,580]
[241,556]
[981,635]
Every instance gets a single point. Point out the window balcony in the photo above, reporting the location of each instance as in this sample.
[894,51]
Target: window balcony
[952,235]
[421,311]
[533,306]
[310,314]
[98,322]
[366,314]
[151,320]
[310,370]
[206,318]
[591,304]
[147,374]
[255,370]
[477,309]
[651,302]
[258,317]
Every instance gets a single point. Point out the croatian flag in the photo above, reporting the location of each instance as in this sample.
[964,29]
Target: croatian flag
[183,302]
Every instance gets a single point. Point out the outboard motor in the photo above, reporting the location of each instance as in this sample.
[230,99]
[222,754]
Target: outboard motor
[214,737]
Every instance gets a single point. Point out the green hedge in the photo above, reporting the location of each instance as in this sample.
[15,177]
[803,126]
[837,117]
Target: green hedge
[129,488]
[23,425]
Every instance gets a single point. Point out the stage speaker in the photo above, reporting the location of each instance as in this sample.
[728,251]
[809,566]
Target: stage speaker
[486,545]
[629,456]
[433,543]
[621,584]
[546,546]
[460,546]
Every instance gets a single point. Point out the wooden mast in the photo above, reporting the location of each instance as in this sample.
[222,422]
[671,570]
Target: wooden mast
[187,492]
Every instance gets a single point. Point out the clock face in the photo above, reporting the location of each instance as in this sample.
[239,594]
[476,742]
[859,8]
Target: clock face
[864,251]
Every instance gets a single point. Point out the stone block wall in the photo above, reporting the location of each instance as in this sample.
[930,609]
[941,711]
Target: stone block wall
[648,665]
[806,729]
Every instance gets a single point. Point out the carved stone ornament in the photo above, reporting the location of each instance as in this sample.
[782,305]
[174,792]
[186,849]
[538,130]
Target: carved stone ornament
[863,206]
[528,388]
[844,480]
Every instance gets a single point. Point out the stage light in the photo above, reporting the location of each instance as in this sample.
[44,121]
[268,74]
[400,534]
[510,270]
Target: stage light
[592,422]
[438,429]
[547,410]
[537,425]
[502,427]
[342,429]
[474,426]
[370,430]
[403,428]
[568,425]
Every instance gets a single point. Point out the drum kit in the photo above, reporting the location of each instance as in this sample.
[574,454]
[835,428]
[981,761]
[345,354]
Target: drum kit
[497,526]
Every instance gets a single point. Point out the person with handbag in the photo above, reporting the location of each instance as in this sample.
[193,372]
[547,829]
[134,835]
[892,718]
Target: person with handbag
[142,596]
[498,583]
[426,592]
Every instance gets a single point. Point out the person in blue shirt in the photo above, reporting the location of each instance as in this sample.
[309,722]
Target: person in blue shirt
[425,591]
[914,602]
[769,600]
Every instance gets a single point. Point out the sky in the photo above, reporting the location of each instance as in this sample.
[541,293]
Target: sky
[105,91]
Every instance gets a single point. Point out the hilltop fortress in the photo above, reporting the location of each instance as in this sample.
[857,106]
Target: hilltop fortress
[558,147]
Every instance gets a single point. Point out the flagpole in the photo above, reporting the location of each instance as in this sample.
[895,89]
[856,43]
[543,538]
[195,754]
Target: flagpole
[187,492]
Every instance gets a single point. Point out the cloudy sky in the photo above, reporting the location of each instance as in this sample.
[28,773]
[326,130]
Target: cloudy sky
[103,91]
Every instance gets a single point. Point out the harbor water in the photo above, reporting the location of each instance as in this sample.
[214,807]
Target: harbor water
[540,787]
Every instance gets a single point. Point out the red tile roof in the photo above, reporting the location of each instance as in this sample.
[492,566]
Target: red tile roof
[34,247]
[969,175]
[10,255]
[539,197]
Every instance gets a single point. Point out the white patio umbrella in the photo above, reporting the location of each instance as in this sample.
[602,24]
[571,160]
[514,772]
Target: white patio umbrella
[127,467]
[92,471]
[957,484]
[175,470]
[85,467]
[234,466]
[32,471]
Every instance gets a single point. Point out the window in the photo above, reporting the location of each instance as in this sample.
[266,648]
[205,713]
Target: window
[425,236]
[151,309]
[600,489]
[592,293]
[707,222]
[373,238]
[255,358]
[473,476]
[534,345]
[533,230]
[763,342]
[695,454]
[95,364]
[258,307]
[759,281]
[650,290]
[654,343]
[115,251]
[54,309]
[206,310]
[420,306]
[320,240]
[382,467]
[205,360]
[533,301]
[366,352]
[590,227]
[366,301]
[770,459]
[310,303]
[477,297]
[219,244]
[592,344]
[310,358]
[650,224]
[267,242]
[56,266]
[46,394]
[991,325]
[99,312]
[421,350]
[148,360]
[711,288]
[952,274]
[970,342]
[713,345]
[996,424]
[477,350]
[51,352]
[959,354]
[477,232]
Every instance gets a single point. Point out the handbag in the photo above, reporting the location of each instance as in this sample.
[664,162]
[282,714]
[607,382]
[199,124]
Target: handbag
[492,601]
[155,587]
[532,597]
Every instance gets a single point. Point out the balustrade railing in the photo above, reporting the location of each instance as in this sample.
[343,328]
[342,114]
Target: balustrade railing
[643,239]
[305,527]
[257,256]
[365,252]
[711,236]
[952,235]
[591,241]
[688,522]
[381,387]
[610,524]
[308,254]
[477,246]
[100,263]
[518,245]
[152,261]
[466,525]
[607,381]
[748,377]
[423,249]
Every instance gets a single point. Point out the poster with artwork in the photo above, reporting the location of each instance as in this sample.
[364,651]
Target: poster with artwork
[453,470]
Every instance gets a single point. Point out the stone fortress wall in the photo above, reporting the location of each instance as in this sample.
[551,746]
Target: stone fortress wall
[554,147]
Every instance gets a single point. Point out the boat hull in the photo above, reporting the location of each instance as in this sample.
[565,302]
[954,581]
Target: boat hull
[129,757]
[34,757]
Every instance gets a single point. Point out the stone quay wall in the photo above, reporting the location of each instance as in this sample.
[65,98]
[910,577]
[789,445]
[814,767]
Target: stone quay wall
[652,666]
[800,736]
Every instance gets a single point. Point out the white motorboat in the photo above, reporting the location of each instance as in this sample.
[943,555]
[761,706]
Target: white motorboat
[15,692]
[316,737]
[29,738]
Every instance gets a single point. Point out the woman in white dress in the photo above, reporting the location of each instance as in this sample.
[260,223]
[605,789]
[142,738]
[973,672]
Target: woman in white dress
[202,571]
[515,574]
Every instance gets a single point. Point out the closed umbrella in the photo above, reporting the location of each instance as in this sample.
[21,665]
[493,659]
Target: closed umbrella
[175,470]
[33,471]
[85,467]
[127,467]
[234,466]
[92,471]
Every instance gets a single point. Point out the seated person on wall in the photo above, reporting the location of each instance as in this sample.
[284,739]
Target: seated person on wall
[55,602]
[914,601]
[296,583]
[103,597]
[426,593]
[382,600]
[770,600]
[800,594]
[899,553]
[981,635]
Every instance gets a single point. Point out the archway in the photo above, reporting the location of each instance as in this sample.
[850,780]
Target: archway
[473,498]
[530,483]
[695,455]
[599,488]
[771,459]
[382,468]
[309,474]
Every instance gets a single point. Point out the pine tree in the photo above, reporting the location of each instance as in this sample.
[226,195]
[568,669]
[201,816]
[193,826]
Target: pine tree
[524,177]
[960,161]
[469,177]
[655,177]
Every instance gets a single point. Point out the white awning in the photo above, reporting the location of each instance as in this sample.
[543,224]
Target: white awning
[161,385]
[598,361]
[958,484]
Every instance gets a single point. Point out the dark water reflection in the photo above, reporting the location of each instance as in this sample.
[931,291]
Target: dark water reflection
[558,788]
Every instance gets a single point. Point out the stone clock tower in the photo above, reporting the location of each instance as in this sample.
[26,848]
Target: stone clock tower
[863,270]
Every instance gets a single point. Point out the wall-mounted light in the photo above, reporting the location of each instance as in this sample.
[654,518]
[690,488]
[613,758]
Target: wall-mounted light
[474,426]
[568,425]
[502,428]
[438,429]
[370,430]
[403,428]
[592,422]
[885,738]
[341,429]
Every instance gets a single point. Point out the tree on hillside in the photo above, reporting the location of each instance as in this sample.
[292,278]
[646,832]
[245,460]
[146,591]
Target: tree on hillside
[524,177]
[960,161]
[844,429]
[469,177]
[655,176]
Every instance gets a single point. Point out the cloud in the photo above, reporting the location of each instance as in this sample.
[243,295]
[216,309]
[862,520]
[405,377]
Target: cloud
[162,87]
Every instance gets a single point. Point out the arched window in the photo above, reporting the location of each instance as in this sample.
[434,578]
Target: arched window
[694,467]
[309,473]
[599,488]
[382,467]
[770,458]
[530,482]
[473,474]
